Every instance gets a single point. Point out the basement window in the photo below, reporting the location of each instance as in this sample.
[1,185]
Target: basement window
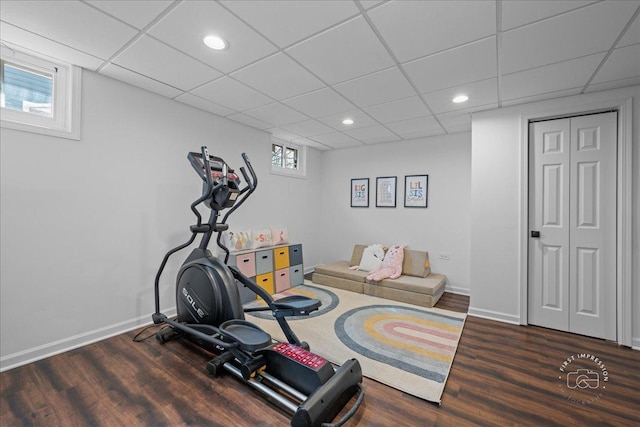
[287,158]
[39,95]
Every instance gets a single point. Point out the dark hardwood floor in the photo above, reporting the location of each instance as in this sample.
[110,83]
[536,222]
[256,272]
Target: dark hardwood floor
[502,375]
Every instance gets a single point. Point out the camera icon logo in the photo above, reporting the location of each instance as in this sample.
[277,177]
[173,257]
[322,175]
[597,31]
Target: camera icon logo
[583,378]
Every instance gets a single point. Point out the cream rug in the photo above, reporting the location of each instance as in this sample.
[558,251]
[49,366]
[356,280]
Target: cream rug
[407,347]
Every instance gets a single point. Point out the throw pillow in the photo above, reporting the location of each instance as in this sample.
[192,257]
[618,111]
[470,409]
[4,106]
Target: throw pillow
[237,240]
[279,236]
[262,238]
[370,261]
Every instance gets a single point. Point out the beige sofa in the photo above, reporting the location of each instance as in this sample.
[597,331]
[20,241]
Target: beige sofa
[417,284]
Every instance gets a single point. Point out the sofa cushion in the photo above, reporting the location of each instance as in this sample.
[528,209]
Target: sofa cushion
[341,269]
[336,282]
[414,298]
[430,285]
[356,255]
[416,263]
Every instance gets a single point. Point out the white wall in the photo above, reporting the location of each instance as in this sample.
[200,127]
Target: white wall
[443,227]
[85,224]
[498,141]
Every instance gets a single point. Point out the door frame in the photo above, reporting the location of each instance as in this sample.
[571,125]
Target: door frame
[576,106]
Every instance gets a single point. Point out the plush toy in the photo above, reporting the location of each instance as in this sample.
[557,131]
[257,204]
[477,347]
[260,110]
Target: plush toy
[391,265]
[371,260]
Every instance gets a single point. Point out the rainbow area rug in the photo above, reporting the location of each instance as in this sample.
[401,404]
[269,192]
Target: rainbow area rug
[406,347]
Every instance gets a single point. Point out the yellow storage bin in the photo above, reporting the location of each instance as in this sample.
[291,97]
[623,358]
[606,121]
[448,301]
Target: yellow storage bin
[281,257]
[265,281]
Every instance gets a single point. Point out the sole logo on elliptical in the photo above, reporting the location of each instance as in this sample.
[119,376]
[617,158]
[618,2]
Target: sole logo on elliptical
[192,303]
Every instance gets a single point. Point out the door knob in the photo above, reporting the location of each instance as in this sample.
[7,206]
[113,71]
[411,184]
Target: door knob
[535,234]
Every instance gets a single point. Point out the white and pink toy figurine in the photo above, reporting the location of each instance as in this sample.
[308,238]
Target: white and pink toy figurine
[391,265]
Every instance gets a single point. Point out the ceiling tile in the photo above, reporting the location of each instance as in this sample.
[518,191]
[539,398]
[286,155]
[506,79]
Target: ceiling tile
[186,26]
[632,36]
[138,13]
[556,77]
[279,77]
[277,114]
[359,117]
[286,22]
[415,126]
[375,133]
[479,93]
[376,88]
[368,4]
[423,134]
[311,143]
[402,109]
[623,63]
[469,63]
[231,94]
[73,24]
[139,80]
[282,134]
[579,33]
[20,38]
[521,12]
[203,104]
[381,139]
[249,121]
[541,97]
[455,121]
[418,28]
[158,61]
[308,128]
[319,103]
[344,52]
[633,81]
[337,140]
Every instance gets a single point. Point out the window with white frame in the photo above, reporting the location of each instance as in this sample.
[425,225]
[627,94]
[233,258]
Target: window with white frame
[39,94]
[287,158]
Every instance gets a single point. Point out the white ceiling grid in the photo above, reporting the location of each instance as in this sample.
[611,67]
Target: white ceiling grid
[297,68]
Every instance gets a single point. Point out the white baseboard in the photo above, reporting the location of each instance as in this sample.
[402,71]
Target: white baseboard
[494,315]
[635,343]
[66,344]
[457,290]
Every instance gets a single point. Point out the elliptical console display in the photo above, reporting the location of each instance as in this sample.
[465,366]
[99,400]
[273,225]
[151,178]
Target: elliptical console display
[210,313]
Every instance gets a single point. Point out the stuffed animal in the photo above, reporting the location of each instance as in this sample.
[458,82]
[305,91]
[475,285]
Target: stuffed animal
[391,265]
[371,260]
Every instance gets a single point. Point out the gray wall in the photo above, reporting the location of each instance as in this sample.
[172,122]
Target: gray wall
[443,227]
[499,143]
[85,224]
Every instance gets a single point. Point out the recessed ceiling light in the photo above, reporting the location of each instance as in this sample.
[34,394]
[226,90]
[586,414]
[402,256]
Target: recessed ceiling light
[347,122]
[460,98]
[216,42]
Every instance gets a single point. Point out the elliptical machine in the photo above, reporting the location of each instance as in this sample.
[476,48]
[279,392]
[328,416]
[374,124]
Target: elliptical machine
[210,313]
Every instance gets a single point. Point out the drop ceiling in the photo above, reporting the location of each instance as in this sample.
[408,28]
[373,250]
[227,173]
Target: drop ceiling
[296,69]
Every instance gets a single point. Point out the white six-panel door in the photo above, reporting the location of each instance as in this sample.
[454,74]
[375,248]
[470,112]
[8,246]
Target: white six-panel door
[572,204]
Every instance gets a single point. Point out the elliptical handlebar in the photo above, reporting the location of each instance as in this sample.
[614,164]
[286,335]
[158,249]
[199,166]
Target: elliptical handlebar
[253,183]
[207,168]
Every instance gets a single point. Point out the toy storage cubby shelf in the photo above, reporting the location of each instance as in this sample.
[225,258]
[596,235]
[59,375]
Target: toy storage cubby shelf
[274,268]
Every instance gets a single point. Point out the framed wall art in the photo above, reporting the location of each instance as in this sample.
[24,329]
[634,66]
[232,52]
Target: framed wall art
[416,191]
[386,192]
[360,193]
